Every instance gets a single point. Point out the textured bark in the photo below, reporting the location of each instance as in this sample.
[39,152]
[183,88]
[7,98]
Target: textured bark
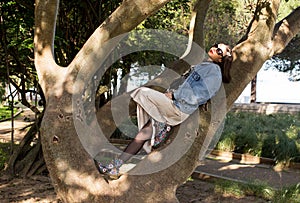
[285,31]
[71,168]
[253,90]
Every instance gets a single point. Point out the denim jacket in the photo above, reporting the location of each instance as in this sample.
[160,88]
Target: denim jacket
[202,83]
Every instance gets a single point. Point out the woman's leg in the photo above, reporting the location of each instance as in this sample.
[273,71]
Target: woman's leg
[133,148]
[137,143]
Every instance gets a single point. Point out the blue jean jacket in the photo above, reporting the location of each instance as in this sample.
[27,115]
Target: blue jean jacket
[202,84]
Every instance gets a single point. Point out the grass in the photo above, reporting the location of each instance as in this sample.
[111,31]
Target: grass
[5,112]
[5,148]
[289,194]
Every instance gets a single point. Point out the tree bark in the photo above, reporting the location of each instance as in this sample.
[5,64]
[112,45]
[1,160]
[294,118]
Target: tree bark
[253,90]
[71,166]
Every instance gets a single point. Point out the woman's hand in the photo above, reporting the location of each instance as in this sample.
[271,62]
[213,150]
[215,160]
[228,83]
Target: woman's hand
[169,95]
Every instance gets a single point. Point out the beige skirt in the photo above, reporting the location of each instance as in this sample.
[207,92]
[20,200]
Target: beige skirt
[156,105]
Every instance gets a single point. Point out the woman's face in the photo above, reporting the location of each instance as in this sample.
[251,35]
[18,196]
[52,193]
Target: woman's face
[218,51]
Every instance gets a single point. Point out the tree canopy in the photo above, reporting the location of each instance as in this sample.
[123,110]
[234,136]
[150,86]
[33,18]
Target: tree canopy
[226,22]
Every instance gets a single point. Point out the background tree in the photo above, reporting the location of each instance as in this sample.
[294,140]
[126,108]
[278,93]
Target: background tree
[17,69]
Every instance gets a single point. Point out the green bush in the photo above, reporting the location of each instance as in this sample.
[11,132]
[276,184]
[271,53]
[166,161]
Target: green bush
[5,112]
[275,136]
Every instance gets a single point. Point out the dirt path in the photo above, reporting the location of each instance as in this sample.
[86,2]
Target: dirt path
[259,173]
[23,120]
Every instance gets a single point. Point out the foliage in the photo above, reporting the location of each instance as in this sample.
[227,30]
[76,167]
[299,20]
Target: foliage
[259,189]
[174,16]
[77,20]
[5,112]
[286,7]
[219,26]
[5,152]
[275,136]
[16,50]
[289,194]
[227,22]
[288,61]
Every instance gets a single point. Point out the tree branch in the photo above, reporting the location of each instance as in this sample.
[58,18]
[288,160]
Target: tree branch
[24,100]
[25,4]
[285,31]
[195,52]
[125,18]
[45,21]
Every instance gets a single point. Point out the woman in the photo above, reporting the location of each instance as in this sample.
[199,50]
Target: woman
[157,111]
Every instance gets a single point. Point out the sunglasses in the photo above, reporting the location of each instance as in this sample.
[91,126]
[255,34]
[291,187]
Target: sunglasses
[219,51]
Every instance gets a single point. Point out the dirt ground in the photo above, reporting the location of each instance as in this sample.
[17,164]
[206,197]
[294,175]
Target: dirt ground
[40,189]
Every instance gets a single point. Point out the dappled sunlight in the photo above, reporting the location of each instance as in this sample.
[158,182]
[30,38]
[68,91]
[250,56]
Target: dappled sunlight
[82,184]
[248,173]
[155,156]
[235,166]
[244,52]
[122,184]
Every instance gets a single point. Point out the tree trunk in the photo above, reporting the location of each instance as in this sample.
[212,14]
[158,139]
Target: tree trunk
[253,90]
[71,135]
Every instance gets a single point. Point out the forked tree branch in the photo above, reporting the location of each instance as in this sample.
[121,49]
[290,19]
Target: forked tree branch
[286,30]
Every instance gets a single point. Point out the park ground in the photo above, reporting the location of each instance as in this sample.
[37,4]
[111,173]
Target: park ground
[200,188]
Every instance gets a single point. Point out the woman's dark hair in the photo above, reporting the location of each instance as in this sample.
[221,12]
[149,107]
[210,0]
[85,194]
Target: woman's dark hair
[225,66]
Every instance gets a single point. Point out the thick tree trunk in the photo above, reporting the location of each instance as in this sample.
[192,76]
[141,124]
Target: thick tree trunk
[70,166]
[69,140]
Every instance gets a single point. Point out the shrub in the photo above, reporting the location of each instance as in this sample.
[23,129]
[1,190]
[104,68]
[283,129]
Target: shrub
[275,136]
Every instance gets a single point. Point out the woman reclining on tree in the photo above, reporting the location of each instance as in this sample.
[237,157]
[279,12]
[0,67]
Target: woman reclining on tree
[157,112]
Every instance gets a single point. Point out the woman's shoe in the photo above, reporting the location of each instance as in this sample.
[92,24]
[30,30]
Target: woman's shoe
[101,167]
[112,170]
